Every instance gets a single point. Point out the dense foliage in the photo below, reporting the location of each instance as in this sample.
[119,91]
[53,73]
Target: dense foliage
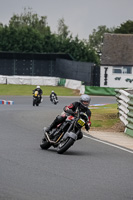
[28,32]
[96,38]
[125,28]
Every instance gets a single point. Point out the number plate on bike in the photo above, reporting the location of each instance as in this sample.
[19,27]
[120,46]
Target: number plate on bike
[81,122]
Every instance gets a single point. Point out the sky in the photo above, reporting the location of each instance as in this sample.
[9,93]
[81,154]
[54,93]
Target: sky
[81,16]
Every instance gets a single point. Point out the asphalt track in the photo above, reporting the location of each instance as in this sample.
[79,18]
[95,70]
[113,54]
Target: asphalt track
[90,170]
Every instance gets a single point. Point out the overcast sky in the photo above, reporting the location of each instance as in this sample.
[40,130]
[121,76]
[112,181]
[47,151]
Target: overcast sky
[81,16]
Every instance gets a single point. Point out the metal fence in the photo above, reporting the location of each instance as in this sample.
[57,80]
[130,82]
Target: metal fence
[54,65]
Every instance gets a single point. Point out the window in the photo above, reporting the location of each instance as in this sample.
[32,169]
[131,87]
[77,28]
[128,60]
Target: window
[122,70]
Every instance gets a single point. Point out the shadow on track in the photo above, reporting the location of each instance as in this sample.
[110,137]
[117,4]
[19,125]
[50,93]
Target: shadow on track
[69,153]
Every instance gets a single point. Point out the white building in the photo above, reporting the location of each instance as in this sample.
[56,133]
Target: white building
[117,61]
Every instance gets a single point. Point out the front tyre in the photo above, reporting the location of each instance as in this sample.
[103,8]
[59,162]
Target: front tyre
[33,102]
[45,144]
[65,145]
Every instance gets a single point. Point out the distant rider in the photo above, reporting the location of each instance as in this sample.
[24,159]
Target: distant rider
[40,92]
[81,105]
[53,96]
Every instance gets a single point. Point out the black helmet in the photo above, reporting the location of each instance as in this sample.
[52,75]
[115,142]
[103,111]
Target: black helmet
[85,100]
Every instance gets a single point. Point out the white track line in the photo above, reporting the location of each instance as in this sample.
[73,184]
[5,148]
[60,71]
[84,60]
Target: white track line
[113,145]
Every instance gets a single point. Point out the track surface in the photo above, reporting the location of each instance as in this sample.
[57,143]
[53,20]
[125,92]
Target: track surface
[88,171]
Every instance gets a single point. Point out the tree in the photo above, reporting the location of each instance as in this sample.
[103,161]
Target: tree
[31,20]
[29,33]
[1,25]
[125,28]
[95,39]
[63,31]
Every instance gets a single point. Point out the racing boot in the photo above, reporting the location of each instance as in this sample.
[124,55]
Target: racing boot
[53,125]
[57,121]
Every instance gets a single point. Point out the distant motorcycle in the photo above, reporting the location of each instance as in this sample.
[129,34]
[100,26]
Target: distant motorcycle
[36,98]
[53,98]
[64,135]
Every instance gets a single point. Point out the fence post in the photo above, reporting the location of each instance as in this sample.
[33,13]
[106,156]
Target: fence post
[14,66]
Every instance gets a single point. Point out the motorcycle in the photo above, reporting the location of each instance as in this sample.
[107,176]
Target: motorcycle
[64,135]
[36,98]
[54,99]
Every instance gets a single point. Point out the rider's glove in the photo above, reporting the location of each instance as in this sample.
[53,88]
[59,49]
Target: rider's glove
[87,127]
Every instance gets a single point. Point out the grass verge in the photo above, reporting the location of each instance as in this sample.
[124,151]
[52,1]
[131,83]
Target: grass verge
[106,118]
[26,90]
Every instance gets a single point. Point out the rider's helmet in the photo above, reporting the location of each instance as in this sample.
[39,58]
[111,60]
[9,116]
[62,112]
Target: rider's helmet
[85,100]
[52,91]
[38,87]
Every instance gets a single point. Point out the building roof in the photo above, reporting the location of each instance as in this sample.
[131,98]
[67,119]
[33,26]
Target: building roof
[117,49]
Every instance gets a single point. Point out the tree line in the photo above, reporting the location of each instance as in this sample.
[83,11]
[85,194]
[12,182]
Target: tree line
[28,33]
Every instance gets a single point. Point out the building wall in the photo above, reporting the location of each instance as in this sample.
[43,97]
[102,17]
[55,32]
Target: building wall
[109,79]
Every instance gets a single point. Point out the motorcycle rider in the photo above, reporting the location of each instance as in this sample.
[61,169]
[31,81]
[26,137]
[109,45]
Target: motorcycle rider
[40,92]
[52,96]
[81,105]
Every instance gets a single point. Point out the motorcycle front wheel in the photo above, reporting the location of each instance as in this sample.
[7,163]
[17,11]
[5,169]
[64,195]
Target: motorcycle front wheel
[45,144]
[33,102]
[65,145]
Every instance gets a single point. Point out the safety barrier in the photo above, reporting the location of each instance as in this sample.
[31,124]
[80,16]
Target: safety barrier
[29,80]
[125,107]
[4,102]
[44,80]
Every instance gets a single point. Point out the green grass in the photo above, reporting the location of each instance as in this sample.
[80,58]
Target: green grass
[26,90]
[105,117]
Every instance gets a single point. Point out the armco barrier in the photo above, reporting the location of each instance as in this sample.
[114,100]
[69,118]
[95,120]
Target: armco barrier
[125,106]
[4,102]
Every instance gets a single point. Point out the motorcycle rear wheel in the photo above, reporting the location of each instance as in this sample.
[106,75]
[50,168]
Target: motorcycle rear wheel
[45,144]
[65,145]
